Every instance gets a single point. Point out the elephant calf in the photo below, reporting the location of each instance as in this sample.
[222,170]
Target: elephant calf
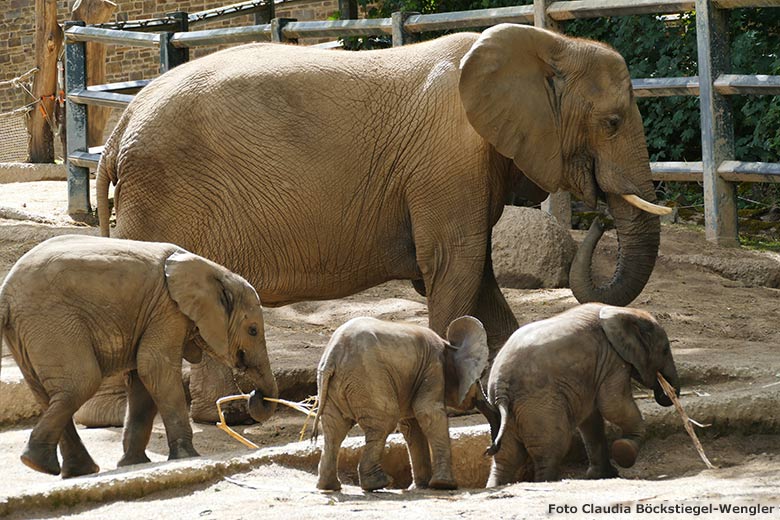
[573,371]
[77,309]
[379,375]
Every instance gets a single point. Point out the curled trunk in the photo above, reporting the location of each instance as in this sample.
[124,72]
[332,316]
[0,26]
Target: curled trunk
[638,235]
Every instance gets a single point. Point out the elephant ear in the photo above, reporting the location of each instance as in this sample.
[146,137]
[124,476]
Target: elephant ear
[467,336]
[627,333]
[198,287]
[509,86]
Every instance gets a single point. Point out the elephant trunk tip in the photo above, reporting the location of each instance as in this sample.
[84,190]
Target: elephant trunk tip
[260,409]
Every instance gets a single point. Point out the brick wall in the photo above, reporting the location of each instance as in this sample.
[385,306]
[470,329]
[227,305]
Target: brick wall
[17,19]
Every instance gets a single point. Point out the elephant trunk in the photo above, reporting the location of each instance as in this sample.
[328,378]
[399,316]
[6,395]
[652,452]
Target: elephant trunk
[638,235]
[669,371]
[265,386]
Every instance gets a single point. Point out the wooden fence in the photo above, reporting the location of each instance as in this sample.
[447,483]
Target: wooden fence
[718,170]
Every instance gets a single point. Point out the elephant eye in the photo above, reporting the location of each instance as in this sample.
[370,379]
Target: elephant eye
[613,123]
[252,330]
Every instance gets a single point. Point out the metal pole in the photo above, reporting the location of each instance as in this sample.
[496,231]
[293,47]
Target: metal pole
[556,204]
[400,35]
[265,16]
[277,30]
[717,128]
[171,56]
[76,126]
[348,9]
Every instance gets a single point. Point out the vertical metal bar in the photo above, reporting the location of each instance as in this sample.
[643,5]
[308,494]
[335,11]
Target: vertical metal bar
[277,30]
[348,9]
[76,126]
[400,35]
[171,56]
[556,204]
[264,17]
[717,128]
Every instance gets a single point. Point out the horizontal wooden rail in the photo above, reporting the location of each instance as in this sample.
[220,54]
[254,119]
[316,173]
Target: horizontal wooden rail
[760,84]
[98,98]
[660,87]
[677,171]
[123,87]
[737,171]
[335,28]
[469,19]
[84,159]
[570,10]
[111,37]
[219,36]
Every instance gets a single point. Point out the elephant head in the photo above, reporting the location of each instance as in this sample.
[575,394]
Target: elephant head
[465,358]
[229,319]
[642,343]
[563,110]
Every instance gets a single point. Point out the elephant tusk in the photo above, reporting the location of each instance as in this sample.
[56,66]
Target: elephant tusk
[642,204]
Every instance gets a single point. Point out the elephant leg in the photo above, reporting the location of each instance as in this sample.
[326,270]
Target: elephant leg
[334,429]
[65,396]
[511,458]
[370,472]
[159,369]
[432,417]
[493,310]
[138,423]
[624,414]
[595,440]
[617,405]
[107,407]
[419,453]
[76,460]
[546,434]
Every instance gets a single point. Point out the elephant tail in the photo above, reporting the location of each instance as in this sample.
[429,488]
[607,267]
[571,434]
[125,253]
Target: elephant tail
[107,173]
[323,379]
[503,411]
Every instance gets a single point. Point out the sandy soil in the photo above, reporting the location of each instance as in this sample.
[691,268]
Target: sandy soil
[721,309]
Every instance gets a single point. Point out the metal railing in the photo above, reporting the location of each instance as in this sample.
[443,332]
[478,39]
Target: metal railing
[718,170]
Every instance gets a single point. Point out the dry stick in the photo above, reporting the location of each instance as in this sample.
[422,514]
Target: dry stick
[300,407]
[670,393]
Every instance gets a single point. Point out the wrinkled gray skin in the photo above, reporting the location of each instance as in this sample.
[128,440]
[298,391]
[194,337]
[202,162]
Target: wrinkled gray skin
[379,375]
[77,309]
[573,371]
[317,174]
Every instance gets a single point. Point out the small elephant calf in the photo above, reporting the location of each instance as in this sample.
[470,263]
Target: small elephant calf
[573,371]
[77,309]
[379,375]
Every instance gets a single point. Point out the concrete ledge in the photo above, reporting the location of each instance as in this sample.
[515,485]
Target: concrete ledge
[27,172]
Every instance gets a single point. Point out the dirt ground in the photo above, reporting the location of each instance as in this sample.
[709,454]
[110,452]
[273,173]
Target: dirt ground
[720,307]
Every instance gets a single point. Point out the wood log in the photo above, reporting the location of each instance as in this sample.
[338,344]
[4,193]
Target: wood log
[48,43]
[93,12]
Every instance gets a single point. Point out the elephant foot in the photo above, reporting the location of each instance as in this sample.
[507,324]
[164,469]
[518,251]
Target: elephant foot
[624,452]
[446,483]
[598,472]
[181,450]
[41,457]
[78,468]
[324,484]
[375,481]
[129,459]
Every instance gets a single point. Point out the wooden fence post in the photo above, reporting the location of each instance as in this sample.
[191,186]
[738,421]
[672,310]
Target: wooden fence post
[556,204]
[400,35]
[76,124]
[348,9]
[717,128]
[171,56]
[264,17]
[48,43]
[93,12]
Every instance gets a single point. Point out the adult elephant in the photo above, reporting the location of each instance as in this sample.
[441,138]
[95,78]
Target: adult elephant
[317,174]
